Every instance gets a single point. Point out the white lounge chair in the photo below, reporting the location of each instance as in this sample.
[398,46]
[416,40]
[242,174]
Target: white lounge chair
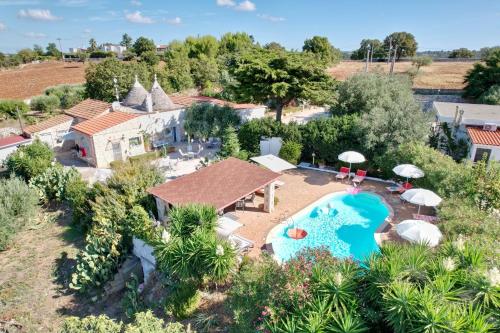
[240,243]
[198,153]
[183,154]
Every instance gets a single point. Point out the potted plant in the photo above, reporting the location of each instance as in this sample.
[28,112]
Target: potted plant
[321,163]
[147,141]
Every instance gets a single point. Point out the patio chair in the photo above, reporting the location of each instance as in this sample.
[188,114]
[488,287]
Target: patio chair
[251,199]
[426,218]
[240,204]
[360,176]
[240,243]
[344,172]
[183,154]
[198,153]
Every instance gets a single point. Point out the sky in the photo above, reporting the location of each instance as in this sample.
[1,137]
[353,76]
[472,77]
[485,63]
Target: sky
[436,24]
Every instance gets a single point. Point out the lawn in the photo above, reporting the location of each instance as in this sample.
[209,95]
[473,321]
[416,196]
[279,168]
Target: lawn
[439,75]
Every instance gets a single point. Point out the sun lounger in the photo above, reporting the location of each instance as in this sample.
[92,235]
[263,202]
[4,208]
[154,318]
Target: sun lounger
[360,176]
[344,172]
[240,243]
[426,218]
[183,155]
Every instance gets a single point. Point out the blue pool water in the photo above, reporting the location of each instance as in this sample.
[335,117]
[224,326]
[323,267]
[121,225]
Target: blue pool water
[344,223]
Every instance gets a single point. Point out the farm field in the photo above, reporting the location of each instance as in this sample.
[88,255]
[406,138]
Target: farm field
[439,75]
[33,79]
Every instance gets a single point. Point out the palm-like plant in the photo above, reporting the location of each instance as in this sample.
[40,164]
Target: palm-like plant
[400,302]
[346,322]
[185,220]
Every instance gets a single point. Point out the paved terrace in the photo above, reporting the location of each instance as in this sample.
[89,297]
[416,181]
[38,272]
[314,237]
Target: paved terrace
[303,187]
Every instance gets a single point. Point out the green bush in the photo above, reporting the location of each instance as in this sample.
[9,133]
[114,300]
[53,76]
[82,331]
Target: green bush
[206,120]
[491,96]
[183,301]
[69,95]
[18,206]
[132,302]
[404,288]
[45,104]
[9,107]
[79,195]
[30,161]
[145,322]
[291,151]
[52,184]
[483,75]
[146,157]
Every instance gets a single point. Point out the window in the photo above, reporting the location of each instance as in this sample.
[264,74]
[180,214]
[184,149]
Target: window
[135,141]
[480,153]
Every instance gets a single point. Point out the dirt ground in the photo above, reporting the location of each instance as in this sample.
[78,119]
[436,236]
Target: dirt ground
[33,79]
[439,75]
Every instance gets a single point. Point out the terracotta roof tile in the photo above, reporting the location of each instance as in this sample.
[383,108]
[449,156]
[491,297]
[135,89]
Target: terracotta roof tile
[46,124]
[12,140]
[482,137]
[220,184]
[88,109]
[99,124]
[189,100]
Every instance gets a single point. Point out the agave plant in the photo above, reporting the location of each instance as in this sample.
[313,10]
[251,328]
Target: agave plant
[338,286]
[400,303]
[185,220]
[346,322]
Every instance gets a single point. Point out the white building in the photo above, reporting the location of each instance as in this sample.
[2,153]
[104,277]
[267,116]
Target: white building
[115,48]
[479,124]
[9,144]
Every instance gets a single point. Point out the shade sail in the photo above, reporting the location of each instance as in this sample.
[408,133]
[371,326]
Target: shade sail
[408,171]
[351,157]
[421,197]
[273,163]
[418,231]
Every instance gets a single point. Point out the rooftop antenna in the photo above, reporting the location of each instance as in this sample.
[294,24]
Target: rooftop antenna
[115,82]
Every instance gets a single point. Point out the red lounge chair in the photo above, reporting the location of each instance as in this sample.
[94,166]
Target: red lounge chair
[407,186]
[360,176]
[344,172]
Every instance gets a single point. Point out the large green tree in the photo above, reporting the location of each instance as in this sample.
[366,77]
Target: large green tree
[176,75]
[99,78]
[404,42]
[126,41]
[321,47]
[206,120]
[281,77]
[92,45]
[461,53]
[233,43]
[483,76]
[389,114]
[53,51]
[143,44]
[206,45]
[376,45]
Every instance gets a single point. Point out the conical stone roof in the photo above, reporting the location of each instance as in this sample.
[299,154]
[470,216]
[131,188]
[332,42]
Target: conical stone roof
[160,99]
[136,95]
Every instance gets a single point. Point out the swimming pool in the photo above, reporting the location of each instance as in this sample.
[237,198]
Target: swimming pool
[344,223]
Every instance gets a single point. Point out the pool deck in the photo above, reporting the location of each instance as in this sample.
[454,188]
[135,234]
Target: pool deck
[302,188]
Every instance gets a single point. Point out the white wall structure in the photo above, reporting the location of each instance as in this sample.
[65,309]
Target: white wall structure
[252,113]
[476,152]
[53,131]
[271,146]
[11,144]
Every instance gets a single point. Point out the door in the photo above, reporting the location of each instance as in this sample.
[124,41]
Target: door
[117,151]
[174,133]
[480,153]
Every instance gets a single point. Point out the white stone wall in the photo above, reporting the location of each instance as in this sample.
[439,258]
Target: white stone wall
[249,114]
[54,136]
[495,152]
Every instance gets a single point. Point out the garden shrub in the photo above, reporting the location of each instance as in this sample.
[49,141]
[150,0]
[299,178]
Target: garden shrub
[30,161]
[206,120]
[9,107]
[132,302]
[79,195]
[18,206]
[45,104]
[404,288]
[52,184]
[491,96]
[144,322]
[291,152]
[146,157]
[183,301]
[68,95]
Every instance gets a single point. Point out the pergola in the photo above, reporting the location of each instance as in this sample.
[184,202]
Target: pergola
[221,184]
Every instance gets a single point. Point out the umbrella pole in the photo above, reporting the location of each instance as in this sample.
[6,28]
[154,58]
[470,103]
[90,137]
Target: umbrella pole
[349,175]
[418,210]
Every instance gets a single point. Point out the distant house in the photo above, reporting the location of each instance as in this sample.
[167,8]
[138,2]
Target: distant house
[75,50]
[478,124]
[53,131]
[9,144]
[247,111]
[160,49]
[115,48]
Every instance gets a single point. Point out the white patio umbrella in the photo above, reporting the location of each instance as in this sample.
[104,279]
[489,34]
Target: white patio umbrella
[421,197]
[351,157]
[419,231]
[408,171]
